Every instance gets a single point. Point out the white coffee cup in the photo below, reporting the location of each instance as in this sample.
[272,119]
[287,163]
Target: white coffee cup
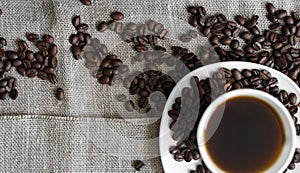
[292,141]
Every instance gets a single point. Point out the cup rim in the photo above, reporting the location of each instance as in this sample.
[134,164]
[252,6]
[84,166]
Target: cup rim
[288,127]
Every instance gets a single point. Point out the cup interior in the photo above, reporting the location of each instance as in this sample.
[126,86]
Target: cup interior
[289,131]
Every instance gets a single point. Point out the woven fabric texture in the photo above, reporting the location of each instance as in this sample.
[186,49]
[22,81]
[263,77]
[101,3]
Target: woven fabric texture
[84,132]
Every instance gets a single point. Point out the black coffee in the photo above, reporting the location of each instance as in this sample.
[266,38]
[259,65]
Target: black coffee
[249,138]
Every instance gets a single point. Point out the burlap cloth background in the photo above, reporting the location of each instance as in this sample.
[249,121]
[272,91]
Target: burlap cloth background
[82,133]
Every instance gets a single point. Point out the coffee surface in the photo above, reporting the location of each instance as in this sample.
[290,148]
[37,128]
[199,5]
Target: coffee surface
[249,137]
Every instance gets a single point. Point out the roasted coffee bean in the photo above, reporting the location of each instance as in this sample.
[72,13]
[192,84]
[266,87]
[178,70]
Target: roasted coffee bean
[251,23]
[52,78]
[280,14]
[53,50]
[192,10]
[102,26]
[293,110]
[87,38]
[12,83]
[292,98]
[48,70]
[292,166]
[143,102]
[11,55]
[275,26]
[270,8]
[214,40]
[227,32]
[29,55]
[259,38]
[234,44]
[21,70]
[80,36]
[236,74]
[240,20]
[74,39]
[7,65]
[3,83]
[138,165]
[76,51]
[76,21]
[60,94]
[31,73]
[193,20]
[3,42]
[82,27]
[36,65]
[116,62]
[292,40]
[23,46]
[249,49]
[188,156]
[254,30]
[245,35]
[257,46]
[225,40]
[42,75]
[140,48]
[104,79]
[117,15]
[86,2]
[32,37]
[4,95]
[143,93]
[41,45]
[48,39]
[13,94]
[221,18]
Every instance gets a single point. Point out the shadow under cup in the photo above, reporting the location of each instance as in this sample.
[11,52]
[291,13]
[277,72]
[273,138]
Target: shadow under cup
[246,131]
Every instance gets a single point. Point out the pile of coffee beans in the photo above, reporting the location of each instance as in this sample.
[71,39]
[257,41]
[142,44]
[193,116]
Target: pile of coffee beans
[185,112]
[41,64]
[86,2]
[111,70]
[138,165]
[146,83]
[7,84]
[273,47]
[79,40]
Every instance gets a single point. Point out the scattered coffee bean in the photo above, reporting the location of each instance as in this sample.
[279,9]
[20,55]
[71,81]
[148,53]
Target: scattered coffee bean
[86,2]
[117,15]
[138,165]
[13,94]
[60,94]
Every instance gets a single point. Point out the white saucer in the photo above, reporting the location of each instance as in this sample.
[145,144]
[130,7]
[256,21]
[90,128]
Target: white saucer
[165,139]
